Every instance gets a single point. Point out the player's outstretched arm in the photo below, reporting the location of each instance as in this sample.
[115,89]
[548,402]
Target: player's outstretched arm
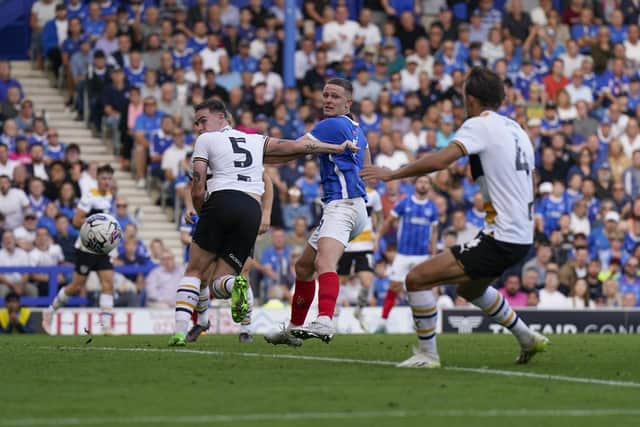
[429,163]
[283,150]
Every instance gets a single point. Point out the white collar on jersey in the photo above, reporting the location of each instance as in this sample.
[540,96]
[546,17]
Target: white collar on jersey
[419,202]
[349,118]
[226,128]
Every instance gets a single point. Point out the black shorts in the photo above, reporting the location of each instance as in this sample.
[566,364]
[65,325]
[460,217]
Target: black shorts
[228,226]
[486,257]
[362,261]
[87,262]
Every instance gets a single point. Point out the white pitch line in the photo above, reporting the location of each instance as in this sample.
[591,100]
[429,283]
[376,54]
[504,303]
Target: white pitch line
[298,416]
[487,371]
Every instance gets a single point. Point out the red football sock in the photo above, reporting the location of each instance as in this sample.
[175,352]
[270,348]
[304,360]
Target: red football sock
[194,317]
[302,299]
[389,302]
[328,293]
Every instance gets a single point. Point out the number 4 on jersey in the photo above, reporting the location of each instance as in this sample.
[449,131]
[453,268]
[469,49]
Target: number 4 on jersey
[521,160]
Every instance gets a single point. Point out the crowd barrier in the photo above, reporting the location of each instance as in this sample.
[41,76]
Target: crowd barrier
[134,321]
[43,301]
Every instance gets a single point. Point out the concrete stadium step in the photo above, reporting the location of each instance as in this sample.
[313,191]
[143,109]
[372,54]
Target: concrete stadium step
[154,221]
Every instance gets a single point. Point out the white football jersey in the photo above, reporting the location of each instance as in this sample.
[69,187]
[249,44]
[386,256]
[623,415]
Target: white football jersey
[365,240]
[234,158]
[502,162]
[94,201]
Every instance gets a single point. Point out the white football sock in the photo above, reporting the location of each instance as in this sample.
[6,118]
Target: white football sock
[222,286]
[203,306]
[106,310]
[60,299]
[186,301]
[499,310]
[425,317]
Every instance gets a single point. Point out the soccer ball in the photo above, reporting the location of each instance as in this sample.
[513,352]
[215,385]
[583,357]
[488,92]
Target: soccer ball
[100,233]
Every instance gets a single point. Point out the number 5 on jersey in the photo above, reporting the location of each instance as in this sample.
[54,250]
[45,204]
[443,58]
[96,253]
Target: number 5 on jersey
[246,161]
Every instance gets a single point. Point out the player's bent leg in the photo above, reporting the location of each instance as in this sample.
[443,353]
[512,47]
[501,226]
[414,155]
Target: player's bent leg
[200,318]
[304,292]
[227,285]
[106,300]
[329,252]
[441,268]
[188,292]
[366,280]
[77,283]
[420,280]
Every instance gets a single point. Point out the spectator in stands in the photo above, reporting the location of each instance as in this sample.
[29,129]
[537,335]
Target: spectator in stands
[465,231]
[121,213]
[610,294]
[13,203]
[512,293]
[9,134]
[10,106]
[539,262]
[45,253]
[579,296]
[42,12]
[24,120]
[132,257]
[212,89]
[174,155]
[550,297]
[629,281]
[13,256]
[145,126]
[275,262]
[273,82]
[6,165]
[6,82]
[25,235]
[294,209]
[108,43]
[629,300]
[160,283]
[14,318]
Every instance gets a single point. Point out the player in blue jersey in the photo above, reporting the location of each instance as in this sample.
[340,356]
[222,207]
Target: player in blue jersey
[416,218]
[344,217]
[552,207]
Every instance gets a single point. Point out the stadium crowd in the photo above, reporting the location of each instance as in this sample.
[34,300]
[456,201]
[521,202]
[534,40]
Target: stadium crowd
[570,70]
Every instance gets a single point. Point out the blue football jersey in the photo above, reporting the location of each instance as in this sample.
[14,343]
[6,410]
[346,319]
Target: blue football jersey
[416,219]
[339,172]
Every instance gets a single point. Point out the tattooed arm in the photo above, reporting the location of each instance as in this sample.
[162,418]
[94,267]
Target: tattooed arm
[282,150]
[199,183]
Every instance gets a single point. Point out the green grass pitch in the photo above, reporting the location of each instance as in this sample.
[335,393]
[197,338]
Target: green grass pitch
[130,381]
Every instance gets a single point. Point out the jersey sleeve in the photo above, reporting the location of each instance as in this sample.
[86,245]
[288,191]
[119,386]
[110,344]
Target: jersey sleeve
[85,202]
[200,150]
[333,130]
[434,214]
[398,208]
[470,136]
[376,203]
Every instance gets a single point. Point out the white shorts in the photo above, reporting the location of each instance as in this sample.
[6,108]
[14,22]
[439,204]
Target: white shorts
[402,264]
[341,220]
